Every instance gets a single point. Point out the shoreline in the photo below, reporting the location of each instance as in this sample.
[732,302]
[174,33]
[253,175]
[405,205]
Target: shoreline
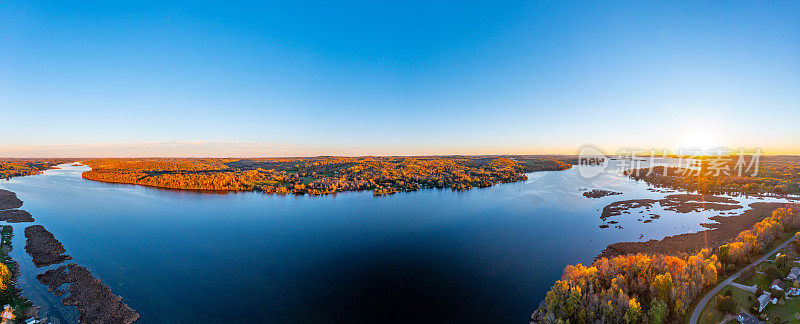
[725,230]
[679,202]
[22,307]
[226,192]
[93,299]
[232,191]
[321,175]
[9,200]
[722,232]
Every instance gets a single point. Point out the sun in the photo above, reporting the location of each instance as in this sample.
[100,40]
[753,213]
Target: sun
[699,140]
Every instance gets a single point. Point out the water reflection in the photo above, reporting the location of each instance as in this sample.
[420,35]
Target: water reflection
[433,255]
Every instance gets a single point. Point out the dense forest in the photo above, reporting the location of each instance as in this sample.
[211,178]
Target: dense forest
[24,167]
[755,240]
[323,175]
[777,175]
[642,288]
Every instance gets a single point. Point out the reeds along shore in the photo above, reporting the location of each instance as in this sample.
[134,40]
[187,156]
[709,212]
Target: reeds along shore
[645,287]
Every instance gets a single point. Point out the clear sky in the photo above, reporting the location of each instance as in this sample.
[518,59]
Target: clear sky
[194,78]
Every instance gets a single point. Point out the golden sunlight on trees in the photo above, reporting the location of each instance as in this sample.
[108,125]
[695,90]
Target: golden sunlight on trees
[776,175]
[761,235]
[634,288]
[321,175]
[640,288]
[24,167]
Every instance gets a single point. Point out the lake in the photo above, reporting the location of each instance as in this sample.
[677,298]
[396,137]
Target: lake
[434,255]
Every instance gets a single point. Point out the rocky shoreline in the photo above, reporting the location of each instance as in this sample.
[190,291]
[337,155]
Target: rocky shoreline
[94,300]
[43,247]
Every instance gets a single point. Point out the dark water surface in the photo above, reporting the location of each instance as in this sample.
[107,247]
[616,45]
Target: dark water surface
[482,255]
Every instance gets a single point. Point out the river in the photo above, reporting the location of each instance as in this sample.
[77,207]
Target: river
[434,255]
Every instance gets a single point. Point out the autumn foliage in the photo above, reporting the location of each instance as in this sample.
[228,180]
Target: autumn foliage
[10,168]
[636,288]
[755,240]
[777,175]
[5,277]
[321,175]
[639,288]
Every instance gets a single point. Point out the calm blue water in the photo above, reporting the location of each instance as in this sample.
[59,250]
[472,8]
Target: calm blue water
[483,255]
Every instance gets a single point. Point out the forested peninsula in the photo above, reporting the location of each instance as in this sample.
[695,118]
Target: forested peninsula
[323,175]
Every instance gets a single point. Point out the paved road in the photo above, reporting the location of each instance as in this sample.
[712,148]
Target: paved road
[707,297]
[751,289]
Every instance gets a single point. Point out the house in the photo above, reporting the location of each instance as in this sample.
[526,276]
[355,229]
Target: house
[777,285]
[31,321]
[793,274]
[763,301]
[8,314]
[746,318]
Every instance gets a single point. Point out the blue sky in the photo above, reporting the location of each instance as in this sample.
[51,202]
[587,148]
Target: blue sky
[145,78]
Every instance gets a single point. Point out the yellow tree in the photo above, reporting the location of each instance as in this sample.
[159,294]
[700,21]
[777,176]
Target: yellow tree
[662,284]
[5,277]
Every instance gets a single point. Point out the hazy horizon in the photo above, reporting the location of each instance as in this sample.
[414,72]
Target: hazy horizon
[251,150]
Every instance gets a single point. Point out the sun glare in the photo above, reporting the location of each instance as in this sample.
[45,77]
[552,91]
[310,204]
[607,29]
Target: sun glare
[697,140]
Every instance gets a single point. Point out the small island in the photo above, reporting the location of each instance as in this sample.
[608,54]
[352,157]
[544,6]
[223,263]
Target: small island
[599,193]
[44,247]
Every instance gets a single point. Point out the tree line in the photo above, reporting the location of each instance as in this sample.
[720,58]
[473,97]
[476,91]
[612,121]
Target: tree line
[641,288]
[773,175]
[10,168]
[322,175]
